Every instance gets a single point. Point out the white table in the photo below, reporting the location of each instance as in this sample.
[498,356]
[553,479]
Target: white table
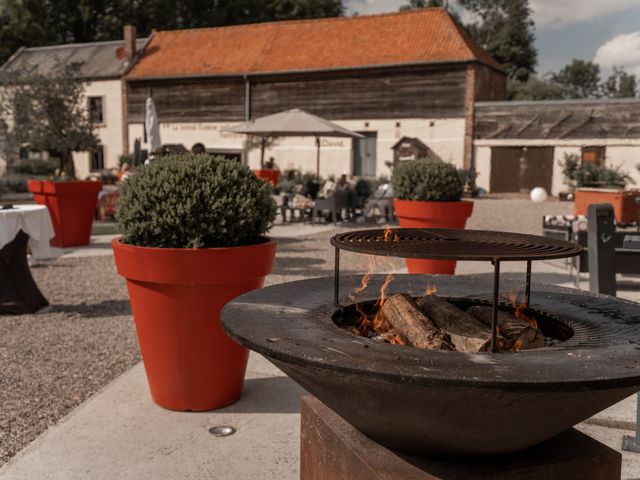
[34,220]
[19,226]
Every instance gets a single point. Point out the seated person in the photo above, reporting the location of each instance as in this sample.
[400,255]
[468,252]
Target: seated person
[328,187]
[381,199]
[198,149]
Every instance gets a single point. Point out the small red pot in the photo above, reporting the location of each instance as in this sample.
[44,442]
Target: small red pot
[71,206]
[176,296]
[271,175]
[414,214]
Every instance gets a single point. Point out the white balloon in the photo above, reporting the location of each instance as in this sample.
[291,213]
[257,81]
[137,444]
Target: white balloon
[538,194]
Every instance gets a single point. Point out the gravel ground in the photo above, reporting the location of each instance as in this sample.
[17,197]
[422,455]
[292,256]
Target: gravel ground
[52,361]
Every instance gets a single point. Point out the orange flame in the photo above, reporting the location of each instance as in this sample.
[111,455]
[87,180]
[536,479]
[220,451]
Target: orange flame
[375,322]
[519,310]
[390,235]
[430,290]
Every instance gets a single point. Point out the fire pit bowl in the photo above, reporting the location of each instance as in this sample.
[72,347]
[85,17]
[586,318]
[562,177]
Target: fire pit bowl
[447,403]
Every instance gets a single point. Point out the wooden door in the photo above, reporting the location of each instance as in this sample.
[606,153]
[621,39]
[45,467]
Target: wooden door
[364,155]
[519,169]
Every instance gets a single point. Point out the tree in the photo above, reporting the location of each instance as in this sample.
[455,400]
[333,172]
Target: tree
[535,88]
[505,29]
[45,112]
[418,4]
[619,84]
[39,23]
[581,79]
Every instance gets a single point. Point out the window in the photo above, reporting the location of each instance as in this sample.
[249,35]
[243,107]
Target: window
[97,158]
[96,115]
[593,155]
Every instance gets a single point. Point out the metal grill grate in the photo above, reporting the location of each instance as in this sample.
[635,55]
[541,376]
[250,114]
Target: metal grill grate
[440,244]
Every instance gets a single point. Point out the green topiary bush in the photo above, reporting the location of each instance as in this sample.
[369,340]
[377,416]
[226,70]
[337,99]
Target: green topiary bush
[194,201]
[426,181]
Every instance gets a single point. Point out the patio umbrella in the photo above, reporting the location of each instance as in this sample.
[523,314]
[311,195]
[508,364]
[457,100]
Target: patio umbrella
[152,126]
[293,123]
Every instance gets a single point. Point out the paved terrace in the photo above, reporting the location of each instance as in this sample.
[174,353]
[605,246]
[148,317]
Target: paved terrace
[75,403]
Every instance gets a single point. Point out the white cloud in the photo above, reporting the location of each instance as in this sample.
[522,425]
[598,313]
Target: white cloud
[560,13]
[620,51]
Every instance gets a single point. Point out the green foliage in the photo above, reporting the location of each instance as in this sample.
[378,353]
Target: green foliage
[36,168]
[620,84]
[426,180]
[45,112]
[581,78]
[505,29]
[125,158]
[535,88]
[34,23]
[589,175]
[194,201]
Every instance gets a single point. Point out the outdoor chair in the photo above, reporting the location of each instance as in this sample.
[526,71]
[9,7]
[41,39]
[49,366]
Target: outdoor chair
[334,203]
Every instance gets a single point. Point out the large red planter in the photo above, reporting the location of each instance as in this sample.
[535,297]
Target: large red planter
[71,206]
[176,296]
[414,214]
[271,175]
[624,205]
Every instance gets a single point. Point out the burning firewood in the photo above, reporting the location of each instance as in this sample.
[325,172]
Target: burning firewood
[467,333]
[407,320]
[518,333]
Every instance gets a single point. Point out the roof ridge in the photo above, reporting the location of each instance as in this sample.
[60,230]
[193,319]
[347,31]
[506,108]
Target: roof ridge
[309,20]
[62,46]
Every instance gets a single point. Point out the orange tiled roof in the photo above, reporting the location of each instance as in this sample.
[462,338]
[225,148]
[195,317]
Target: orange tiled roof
[428,35]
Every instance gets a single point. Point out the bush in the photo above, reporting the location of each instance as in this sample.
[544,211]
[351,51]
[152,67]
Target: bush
[426,181]
[194,201]
[589,175]
[38,168]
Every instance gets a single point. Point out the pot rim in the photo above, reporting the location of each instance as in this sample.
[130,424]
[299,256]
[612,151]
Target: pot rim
[118,242]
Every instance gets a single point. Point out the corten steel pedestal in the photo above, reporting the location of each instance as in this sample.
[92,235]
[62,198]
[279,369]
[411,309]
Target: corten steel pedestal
[18,291]
[331,449]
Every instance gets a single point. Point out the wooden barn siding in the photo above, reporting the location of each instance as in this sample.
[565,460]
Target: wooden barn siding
[558,120]
[204,100]
[490,85]
[433,93]
[420,92]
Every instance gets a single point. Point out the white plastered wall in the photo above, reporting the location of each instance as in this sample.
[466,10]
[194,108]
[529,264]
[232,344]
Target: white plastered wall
[110,132]
[620,153]
[444,136]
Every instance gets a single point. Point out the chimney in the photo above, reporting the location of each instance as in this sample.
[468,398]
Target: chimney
[129,41]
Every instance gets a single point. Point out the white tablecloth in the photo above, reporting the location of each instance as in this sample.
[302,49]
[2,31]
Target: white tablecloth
[34,220]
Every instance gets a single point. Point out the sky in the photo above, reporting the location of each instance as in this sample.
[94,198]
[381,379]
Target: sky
[606,31]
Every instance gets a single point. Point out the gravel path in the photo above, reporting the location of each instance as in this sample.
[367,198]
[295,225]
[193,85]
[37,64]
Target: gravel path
[52,361]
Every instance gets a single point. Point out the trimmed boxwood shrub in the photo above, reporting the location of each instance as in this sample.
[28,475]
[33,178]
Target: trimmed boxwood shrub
[426,181]
[194,201]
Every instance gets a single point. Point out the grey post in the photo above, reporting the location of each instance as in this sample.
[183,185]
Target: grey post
[602,253]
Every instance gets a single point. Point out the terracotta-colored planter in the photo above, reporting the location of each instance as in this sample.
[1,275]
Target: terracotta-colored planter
[271,175]
[71,206]
[176,296]
[414,214]
[624,205]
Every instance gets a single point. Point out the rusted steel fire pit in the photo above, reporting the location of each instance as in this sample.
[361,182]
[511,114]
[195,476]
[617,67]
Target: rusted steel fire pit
[449,403]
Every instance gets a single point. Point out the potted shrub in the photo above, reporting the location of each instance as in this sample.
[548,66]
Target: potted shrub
[599,184]
[192,239]
[427,194]
[48,113]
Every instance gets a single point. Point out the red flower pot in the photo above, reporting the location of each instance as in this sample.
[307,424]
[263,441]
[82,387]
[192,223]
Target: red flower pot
[271,175]
[71,206]
[623,202]
[414,214]
[176,296]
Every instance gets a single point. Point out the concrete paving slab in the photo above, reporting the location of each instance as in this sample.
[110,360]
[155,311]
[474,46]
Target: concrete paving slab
[612,437]
[121,434]
[622,415]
